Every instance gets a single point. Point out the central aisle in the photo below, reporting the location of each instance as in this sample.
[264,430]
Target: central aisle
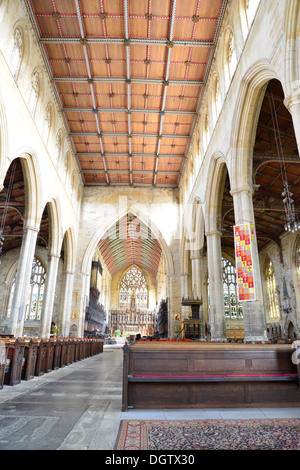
[74,408]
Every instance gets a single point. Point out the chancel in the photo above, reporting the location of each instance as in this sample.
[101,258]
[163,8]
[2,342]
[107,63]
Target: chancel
[149,206]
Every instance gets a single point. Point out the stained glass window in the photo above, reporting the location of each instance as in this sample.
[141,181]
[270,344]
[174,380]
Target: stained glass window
[133,290]
[36,292]
[274,311]
[233,308]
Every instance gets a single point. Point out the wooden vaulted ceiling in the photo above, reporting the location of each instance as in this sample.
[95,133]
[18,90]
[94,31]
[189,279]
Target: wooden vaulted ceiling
[129,76]
[130,242]
[12,210]
[269,166]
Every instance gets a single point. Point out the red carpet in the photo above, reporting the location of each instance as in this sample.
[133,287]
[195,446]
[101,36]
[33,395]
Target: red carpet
[231,434]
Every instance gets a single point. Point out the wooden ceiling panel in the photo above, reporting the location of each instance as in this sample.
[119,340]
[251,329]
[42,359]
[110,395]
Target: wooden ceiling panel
[109,59]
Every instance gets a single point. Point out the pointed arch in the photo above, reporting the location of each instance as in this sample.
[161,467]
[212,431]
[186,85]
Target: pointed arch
[111,221]
[246,114]
[214,191]
[292,19]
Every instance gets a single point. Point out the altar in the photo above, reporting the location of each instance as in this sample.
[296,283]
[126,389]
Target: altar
[132,320]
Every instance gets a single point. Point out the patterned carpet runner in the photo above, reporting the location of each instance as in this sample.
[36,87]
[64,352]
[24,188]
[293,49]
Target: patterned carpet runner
[213,434]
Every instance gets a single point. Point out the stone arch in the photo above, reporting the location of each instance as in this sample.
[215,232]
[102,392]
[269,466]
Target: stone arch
[100,232]
[215,180]
[55,218]
[292,19]
[246,114]
[32,177]
[3,141]
[70,245]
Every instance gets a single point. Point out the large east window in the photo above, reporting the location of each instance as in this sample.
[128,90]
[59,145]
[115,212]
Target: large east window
[133,290]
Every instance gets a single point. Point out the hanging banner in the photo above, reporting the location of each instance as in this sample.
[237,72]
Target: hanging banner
[243,236]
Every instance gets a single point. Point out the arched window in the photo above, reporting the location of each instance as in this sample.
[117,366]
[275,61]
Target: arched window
[133,290]
[16,53]
[233,308]
[274,311]
[34,92]
[230,58]
[36,292]
[247,10]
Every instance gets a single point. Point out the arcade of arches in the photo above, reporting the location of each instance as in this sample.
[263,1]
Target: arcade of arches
[129,154]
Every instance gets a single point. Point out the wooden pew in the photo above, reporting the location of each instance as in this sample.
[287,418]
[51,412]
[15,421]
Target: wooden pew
[14,360]
[30,355]
[49,355]
[182,375]
[56,354]
[41,357]
[63,354]
[3,357]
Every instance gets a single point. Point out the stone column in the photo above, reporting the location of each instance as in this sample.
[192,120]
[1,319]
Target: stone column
[174,301]
[196,275]
[292,103]
[20,299]
[49,295]
[197,285]
[66,303]
[186,291]
[253,311]
[85,280]
[216,290]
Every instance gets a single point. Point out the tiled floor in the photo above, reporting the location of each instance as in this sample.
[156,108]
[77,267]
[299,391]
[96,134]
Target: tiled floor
[79,408]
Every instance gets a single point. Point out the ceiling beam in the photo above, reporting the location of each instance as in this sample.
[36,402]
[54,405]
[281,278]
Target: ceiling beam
[133,155]
[135,184]
[139,172]
[121,134]
[130,41]
[150,81]
[132,110]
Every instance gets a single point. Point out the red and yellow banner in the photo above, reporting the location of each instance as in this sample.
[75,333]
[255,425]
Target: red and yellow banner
[243,236]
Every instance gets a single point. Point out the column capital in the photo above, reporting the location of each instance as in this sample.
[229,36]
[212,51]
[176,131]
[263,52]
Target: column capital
[195,254]
[291,100]
[31,228]
[242,189]
[213,232]
[53,255]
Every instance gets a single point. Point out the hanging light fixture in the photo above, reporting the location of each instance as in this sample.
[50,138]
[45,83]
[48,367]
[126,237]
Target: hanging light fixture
[8,195]
[292,224]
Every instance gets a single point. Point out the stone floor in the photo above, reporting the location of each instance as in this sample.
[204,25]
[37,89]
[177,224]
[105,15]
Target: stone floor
[78,407]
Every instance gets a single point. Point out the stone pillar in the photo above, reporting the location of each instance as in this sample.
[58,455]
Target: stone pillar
[196,275]
[216,290]
[253,311]
[174,301]
[85,280]
[185,280]
[66,303]
[20,299]
[197,284]
[292,103]
[49,295]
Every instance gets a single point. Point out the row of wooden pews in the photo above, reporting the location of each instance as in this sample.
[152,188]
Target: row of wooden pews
[23,359]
